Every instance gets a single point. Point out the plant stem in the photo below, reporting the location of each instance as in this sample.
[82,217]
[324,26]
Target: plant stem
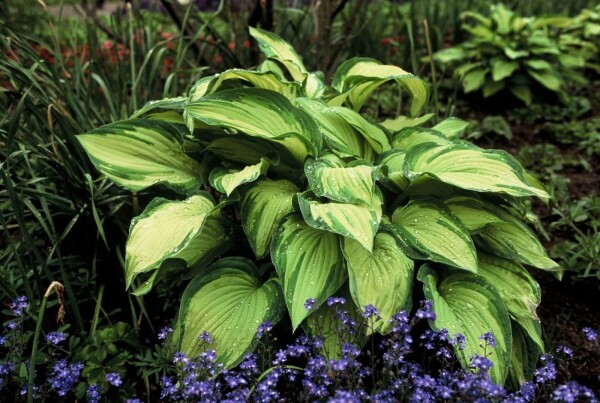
[432,64]
[54,286]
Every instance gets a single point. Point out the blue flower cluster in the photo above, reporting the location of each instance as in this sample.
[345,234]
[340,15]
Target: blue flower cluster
[304,371]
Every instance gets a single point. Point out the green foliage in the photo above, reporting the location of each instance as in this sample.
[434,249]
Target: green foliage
[328,202]
[507,52]
[584,134]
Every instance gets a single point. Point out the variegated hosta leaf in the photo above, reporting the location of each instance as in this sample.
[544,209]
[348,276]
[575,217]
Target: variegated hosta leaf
[326,321]
[340,135]
[472,212]
[429,228]
[314,85]
[345,184]
[199,252]
[401,122]
[359,222]
[265,80]
[164,229]
[466,303]
[166,103]
[229,301]
[452,128]
[227,180]
[200,88]
[392,175]
[516,241]
[260,113]
[357,78]
[382,278]
[373,134]
[411,137]
[524,357]
[139,153]
[263,206]
[276,48]
[520,292]
[309,263]
[470,167]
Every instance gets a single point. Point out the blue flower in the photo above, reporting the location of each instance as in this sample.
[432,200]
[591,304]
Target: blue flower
[164,332]
[371,311]
[55,338]
[308,305]
[6,368]
[566,351]
[18,305]
[331,301]
[205,337]
[64,376]
[590,333]
[426,311]
[114,379]
[93,394]
[545,373]
[264,328]
[481,363]
[489,339]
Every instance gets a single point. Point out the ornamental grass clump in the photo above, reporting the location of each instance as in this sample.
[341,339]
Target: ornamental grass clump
[275,172]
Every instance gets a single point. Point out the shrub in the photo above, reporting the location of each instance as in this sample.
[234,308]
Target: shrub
[305,199]
[506,51]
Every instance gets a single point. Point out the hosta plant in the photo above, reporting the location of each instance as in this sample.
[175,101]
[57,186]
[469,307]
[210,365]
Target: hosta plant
[507,52]
[300,198]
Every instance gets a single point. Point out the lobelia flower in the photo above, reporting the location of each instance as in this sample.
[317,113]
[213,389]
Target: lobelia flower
[590,334]
[114,379]
[18,305]
[164,332]
[93,394]
[55,338]
[63,376]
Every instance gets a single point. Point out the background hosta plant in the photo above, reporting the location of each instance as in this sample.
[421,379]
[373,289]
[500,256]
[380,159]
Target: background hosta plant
[507,52]
[306,199]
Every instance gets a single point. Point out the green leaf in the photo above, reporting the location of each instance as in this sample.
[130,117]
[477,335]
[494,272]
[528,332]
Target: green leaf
[227,180]
[524,358]
[260,113]
[137,154]
[491,87]
[340,135]
[522,92]
[344,184]
[374,135]
[276,48]
[228,301]
[514,240]
[429,228]
[401,122]
[383,278]
[503,68]
[519,291]
[324,322]
[474,80]
[359,222]
[263,206]
[314,85]
[466,303]
[411,137]
[164,229]
[472,212]
[167,103]
[266,80]
[469,167]
[548,78]
[199,252]
[451,127]
[393,174]
[309,263]
[357,78]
